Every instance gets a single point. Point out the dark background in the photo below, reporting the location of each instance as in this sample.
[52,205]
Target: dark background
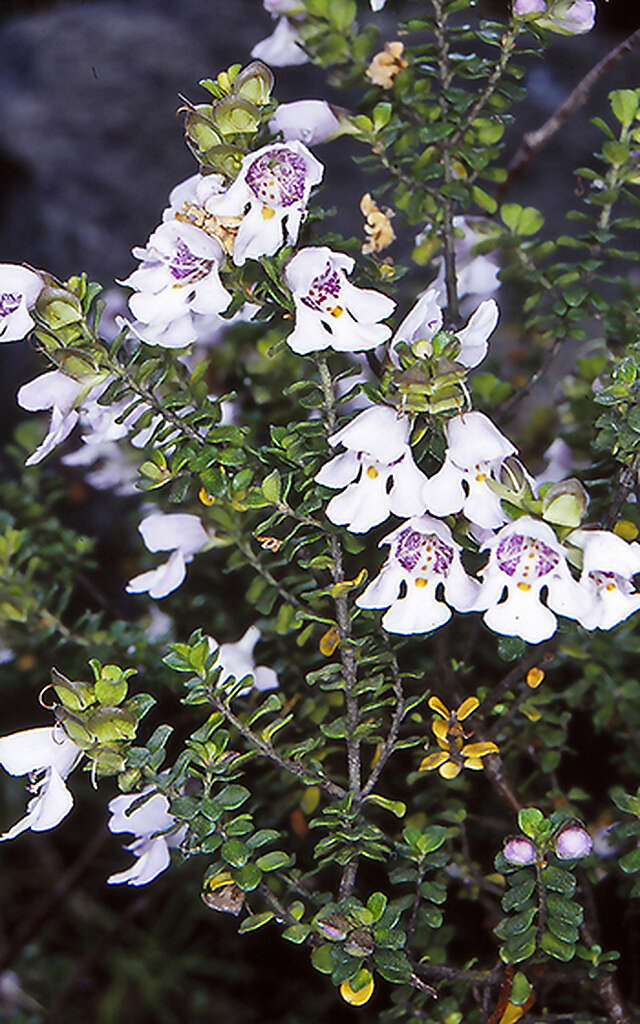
[90,146]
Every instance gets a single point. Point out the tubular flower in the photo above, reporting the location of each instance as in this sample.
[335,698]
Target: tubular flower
[307,121]
[282,48]
[525,557]
[330,311]
[568,17]
[237,662]
[609,563]
[385,65]
[179,275]
[425,320]
[476,450]
[275,181]
[454,753]
[66,398]
[155,831]
[47,756]
[183,535]
[19,290]
[377,471]
[423,560]
[476,274]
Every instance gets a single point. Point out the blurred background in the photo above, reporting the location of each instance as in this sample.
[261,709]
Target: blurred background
[90,146]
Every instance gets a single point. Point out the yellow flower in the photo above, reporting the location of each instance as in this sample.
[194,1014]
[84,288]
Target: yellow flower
[378,226]
[454,753]
[385,65]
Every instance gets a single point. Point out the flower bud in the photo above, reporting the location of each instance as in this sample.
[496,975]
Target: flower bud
[573,841]
[565,503]
[519,851]
[234,114]
[254,83]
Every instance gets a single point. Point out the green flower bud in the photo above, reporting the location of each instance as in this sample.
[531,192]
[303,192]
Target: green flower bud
[565,503]
[255,83]
[234,114]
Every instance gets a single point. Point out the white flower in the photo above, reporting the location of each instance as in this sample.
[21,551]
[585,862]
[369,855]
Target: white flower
[182,534]
[47,756]
[150,848]
[308,121]
[568,17]
[178,276]
[281,48]
[475,274]
[609,563]
[283,6]
[62,394]
[559,461]
[378,468]
[19,290]
[236,661]
[377,5]
[425,320]
[525,557]
[476,449]
[275,181]
[330,311]
[422,556]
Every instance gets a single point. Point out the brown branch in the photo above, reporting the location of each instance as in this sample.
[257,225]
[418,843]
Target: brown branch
[533,142]
[607,988]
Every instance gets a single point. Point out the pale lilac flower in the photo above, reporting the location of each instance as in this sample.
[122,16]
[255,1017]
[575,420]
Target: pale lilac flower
[308,121]
[155,831]
[573,841]
[275,182]
[476,274]
[192,192]
[425,320]
[423,562]
[525,557]
[609,563]
[19,290]
[377,471]
[281,48]
[519,851]
[61,394]
[182,534]
[179,275]
[47,756]
[559,463]
[568,17]
[475,451]
[237,662]
[284,6]
[330,311]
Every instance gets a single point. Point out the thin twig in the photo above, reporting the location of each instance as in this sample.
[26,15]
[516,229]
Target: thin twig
[311,777]
[448,233]
[533,142]
[388,746]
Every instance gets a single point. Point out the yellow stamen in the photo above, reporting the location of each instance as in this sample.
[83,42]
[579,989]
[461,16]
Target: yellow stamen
[524,586]
[337,311]
[480,477]
[267,213]
[421,582]
[372,472]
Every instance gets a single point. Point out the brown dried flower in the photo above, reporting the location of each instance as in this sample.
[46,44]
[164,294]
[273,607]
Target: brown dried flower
[385,65]
[378,226]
